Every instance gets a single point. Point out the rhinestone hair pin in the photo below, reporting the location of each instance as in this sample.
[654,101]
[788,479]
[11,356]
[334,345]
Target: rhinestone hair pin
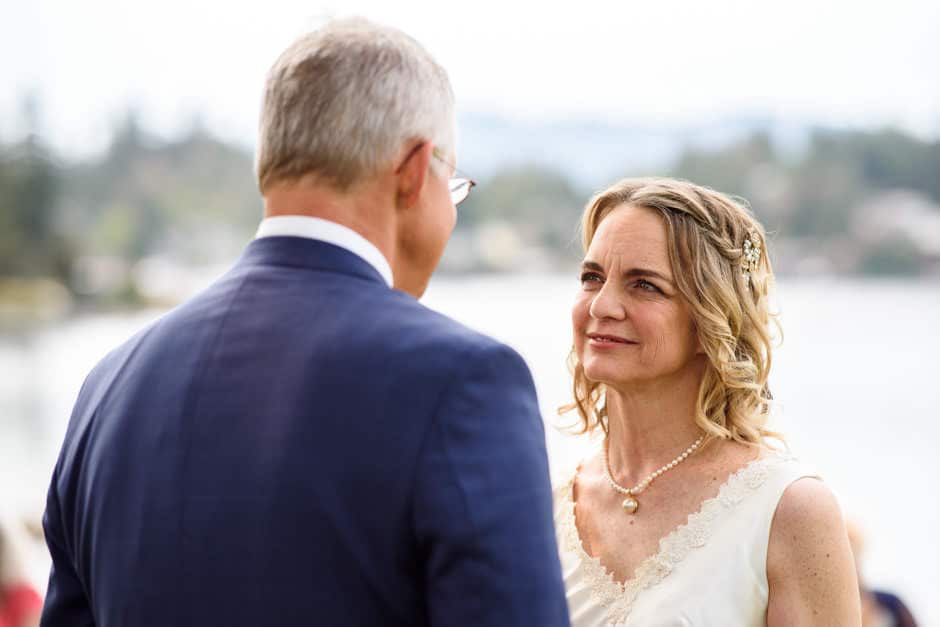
[751,257]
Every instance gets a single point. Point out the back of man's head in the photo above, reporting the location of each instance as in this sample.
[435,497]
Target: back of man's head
[341,101]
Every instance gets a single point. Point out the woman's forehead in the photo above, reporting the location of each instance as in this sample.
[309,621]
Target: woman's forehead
[630,232]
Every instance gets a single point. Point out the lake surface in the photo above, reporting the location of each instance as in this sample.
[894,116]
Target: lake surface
[856,381]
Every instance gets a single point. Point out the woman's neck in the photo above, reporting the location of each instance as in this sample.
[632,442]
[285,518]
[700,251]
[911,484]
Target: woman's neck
[650,425]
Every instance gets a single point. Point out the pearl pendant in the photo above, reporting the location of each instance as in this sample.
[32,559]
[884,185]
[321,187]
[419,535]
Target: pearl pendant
[630,505]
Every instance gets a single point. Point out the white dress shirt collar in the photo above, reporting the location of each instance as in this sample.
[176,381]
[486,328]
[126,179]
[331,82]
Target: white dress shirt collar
[329,232]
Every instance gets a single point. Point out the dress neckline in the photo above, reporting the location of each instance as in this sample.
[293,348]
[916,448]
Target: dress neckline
[618,598]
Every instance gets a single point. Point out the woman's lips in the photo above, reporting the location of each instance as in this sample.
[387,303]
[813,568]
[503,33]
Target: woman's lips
[602,339]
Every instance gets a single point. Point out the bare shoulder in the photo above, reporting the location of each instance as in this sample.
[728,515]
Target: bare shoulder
[807,511]
[810,569]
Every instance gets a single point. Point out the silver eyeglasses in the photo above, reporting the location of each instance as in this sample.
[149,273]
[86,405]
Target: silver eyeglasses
[460,185]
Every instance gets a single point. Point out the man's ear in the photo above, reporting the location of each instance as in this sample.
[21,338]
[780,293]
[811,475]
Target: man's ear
[412,173]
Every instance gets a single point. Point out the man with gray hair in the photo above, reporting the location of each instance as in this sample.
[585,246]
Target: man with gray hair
[304,443]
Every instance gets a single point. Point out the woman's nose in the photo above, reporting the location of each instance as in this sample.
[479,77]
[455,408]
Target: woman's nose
[607,304]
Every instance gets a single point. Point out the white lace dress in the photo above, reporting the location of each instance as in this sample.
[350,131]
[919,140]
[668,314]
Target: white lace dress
[711,571]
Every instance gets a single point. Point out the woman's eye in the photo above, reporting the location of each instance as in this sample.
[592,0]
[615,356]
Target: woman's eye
[647,286]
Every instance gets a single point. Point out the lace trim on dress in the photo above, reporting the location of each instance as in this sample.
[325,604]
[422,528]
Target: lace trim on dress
[619,598]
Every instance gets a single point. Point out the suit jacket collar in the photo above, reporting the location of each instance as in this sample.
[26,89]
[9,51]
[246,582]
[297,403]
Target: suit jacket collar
[330,232]
[310,254]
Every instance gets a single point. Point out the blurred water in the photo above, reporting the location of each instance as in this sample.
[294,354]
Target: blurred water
[856,380]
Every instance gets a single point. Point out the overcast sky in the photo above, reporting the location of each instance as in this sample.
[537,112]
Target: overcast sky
[837,62]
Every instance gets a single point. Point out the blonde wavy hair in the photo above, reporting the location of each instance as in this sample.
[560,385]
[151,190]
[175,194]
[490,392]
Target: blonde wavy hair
[706,233]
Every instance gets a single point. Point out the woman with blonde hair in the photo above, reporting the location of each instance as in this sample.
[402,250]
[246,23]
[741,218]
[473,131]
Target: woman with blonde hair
[687,515]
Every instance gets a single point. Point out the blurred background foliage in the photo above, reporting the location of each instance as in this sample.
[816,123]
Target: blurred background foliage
[96,230]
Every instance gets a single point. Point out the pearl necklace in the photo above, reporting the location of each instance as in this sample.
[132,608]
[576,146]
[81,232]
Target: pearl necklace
[631,504]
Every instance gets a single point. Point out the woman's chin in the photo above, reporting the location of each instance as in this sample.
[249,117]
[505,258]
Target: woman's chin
[615,374]
[603,375]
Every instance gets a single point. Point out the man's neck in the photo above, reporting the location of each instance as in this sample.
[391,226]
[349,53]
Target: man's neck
[360,211]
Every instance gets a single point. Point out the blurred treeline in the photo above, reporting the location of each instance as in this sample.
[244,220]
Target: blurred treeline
[120,226]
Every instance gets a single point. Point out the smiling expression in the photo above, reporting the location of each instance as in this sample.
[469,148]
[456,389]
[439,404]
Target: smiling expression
[630,322]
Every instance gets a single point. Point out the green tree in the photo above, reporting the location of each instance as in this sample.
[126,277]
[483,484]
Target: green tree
[30,182]
[146,196]
[541,203]
[726,170]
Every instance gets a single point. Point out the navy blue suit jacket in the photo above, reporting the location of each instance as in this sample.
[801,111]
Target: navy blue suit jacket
[301,445]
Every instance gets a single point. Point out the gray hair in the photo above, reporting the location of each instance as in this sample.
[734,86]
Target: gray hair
[341,101]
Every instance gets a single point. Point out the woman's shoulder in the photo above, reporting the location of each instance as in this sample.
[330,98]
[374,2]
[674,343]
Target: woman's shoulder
[778,467]
[806,509]
[567,469]
[569,458]
[809,562]
[807,515]
[754,488]
[562,477]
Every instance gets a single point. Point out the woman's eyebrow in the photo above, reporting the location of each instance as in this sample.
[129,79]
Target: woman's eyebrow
[629,274]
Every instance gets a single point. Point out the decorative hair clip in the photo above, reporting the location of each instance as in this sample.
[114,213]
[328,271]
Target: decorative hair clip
[751,257]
